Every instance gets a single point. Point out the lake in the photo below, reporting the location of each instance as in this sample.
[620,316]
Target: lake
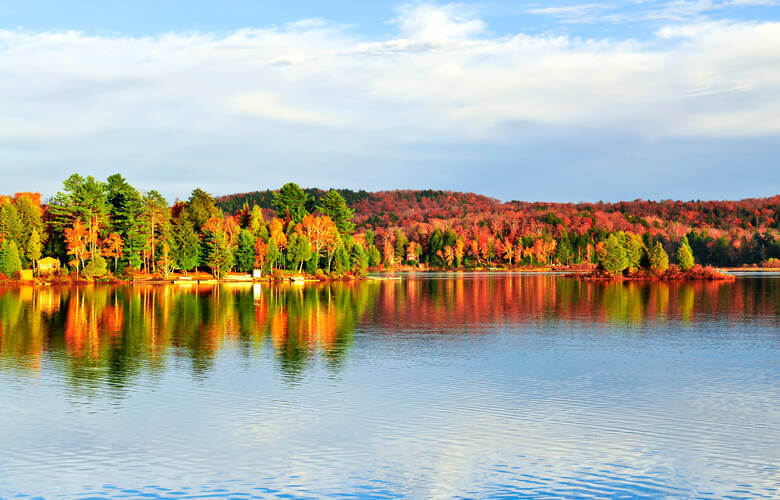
[432,385]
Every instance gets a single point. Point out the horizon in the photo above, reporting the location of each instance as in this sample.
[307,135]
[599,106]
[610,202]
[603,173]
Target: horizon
[600,101]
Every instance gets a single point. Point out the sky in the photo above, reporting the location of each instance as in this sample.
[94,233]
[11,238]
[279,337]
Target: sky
[536,101]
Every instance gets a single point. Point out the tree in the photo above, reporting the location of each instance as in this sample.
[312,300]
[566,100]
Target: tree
[28,207]
[685,255]
[321,232]
[125,208]
[245,252]
[77,241]
[659,259]
[201,207]
[10,225]
[374,257]
[335,206]
[256,219]
[33,250]
[186,243]
[219,256]
[81,198]
[564,251]
[291,201]
[96,267]
[635,249]
[113,248]
[156,218]
[166,263]
[298,250]
[10,262]
[261,251]
[358,259]
[612,255]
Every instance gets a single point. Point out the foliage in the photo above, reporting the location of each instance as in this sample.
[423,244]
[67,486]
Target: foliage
[96,267]
[685,255]
[34,247]
[10,262]
[245,252]
[659,259]
[335,206]
[612,255]
[291,201]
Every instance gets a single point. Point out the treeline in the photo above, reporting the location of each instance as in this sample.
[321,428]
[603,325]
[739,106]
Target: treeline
[721,233]
[98,227]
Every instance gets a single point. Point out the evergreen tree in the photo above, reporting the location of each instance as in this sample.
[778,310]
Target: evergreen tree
[126,208]
[219,257]
[201,207]
[335,206]
[30,217]
[685,255]
[291,200]
[10,224]
[245,253]
[374,256]
[564,251]
[358,259]
[10,262]
[612,256]
[659,259]
[185,248]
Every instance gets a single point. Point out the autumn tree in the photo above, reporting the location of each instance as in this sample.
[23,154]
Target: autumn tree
[113,248]
[77,241]
[166,264]
[321,232]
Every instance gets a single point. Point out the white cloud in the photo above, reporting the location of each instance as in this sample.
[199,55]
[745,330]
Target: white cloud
[441,78]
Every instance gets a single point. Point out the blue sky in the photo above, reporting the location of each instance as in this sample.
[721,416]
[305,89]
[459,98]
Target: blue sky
[562,101]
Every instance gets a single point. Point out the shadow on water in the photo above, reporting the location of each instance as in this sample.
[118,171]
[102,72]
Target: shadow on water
[106,335]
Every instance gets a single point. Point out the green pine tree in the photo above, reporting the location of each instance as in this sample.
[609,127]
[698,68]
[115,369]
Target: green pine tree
[335,206]
[659,259]
[10,262]
[685,255]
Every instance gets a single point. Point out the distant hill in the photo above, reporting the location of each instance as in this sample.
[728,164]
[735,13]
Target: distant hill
[404,208]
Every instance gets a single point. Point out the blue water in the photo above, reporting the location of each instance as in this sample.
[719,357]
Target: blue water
[430,386]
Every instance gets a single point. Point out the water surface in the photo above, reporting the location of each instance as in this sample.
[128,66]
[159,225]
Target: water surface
[452,385]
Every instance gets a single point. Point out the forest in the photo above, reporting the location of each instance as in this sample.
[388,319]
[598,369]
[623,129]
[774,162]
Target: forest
[110,228]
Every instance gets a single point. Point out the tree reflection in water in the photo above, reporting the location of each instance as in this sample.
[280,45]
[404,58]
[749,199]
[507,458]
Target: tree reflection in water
[99,335]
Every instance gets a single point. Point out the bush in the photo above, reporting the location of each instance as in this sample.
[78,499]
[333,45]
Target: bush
[96,267]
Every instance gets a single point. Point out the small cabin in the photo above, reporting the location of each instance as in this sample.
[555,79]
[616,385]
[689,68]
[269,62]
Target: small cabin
[47,265]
